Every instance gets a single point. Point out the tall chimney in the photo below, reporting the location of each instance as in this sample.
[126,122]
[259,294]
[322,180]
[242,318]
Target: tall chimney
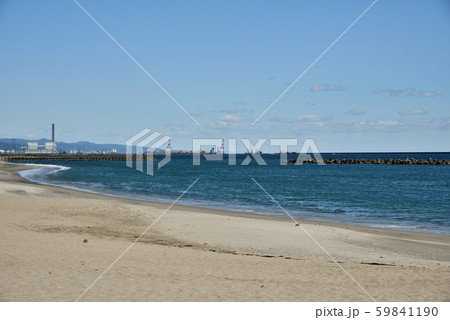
[53,132]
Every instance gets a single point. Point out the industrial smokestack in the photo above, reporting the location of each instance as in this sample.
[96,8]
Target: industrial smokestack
[53,132]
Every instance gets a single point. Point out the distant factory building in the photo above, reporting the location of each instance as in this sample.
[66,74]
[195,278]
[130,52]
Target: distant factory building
[34,147]
[48,147]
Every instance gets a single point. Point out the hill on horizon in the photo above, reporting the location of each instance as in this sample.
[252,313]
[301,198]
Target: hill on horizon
[82,146]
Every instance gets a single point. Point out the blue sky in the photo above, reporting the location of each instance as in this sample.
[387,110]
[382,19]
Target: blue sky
[383,87]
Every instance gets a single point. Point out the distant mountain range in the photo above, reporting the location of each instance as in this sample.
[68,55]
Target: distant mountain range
[82,146]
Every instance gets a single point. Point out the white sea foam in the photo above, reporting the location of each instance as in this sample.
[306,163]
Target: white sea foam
[401,227]
[43,169]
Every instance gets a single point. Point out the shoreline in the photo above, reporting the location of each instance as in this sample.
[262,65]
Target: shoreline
[231,212]
[57,241]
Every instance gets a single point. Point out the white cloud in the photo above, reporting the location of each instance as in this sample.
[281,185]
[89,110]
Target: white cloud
[388,123]
[308,117]
[327,87]
[230,117]
[312,117]
[356,112]
[222,124]
[234,110]
[434,123]
[412,112]
[373,125]
[226,121]
[408,92]
[428,93]
[318,87]
[367,125]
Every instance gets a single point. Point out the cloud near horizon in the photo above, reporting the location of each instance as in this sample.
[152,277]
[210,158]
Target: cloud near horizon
[356,112]
[226,121]
[408,92]
[373,124]
[327,87]
[428,93]
[312,117]
[230,117]
[233,110]
[412,112]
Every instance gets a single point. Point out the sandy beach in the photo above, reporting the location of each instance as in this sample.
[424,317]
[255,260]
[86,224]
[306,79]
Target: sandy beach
[56,242]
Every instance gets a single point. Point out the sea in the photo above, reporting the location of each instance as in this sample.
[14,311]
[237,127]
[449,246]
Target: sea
[406,197]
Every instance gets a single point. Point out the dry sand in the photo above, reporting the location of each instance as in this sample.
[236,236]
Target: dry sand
[56,242]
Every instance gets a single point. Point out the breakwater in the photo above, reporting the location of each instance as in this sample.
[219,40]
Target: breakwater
[144,157]
[407,161]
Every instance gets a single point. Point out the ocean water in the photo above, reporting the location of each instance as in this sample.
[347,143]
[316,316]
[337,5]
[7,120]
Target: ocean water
[389,196]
